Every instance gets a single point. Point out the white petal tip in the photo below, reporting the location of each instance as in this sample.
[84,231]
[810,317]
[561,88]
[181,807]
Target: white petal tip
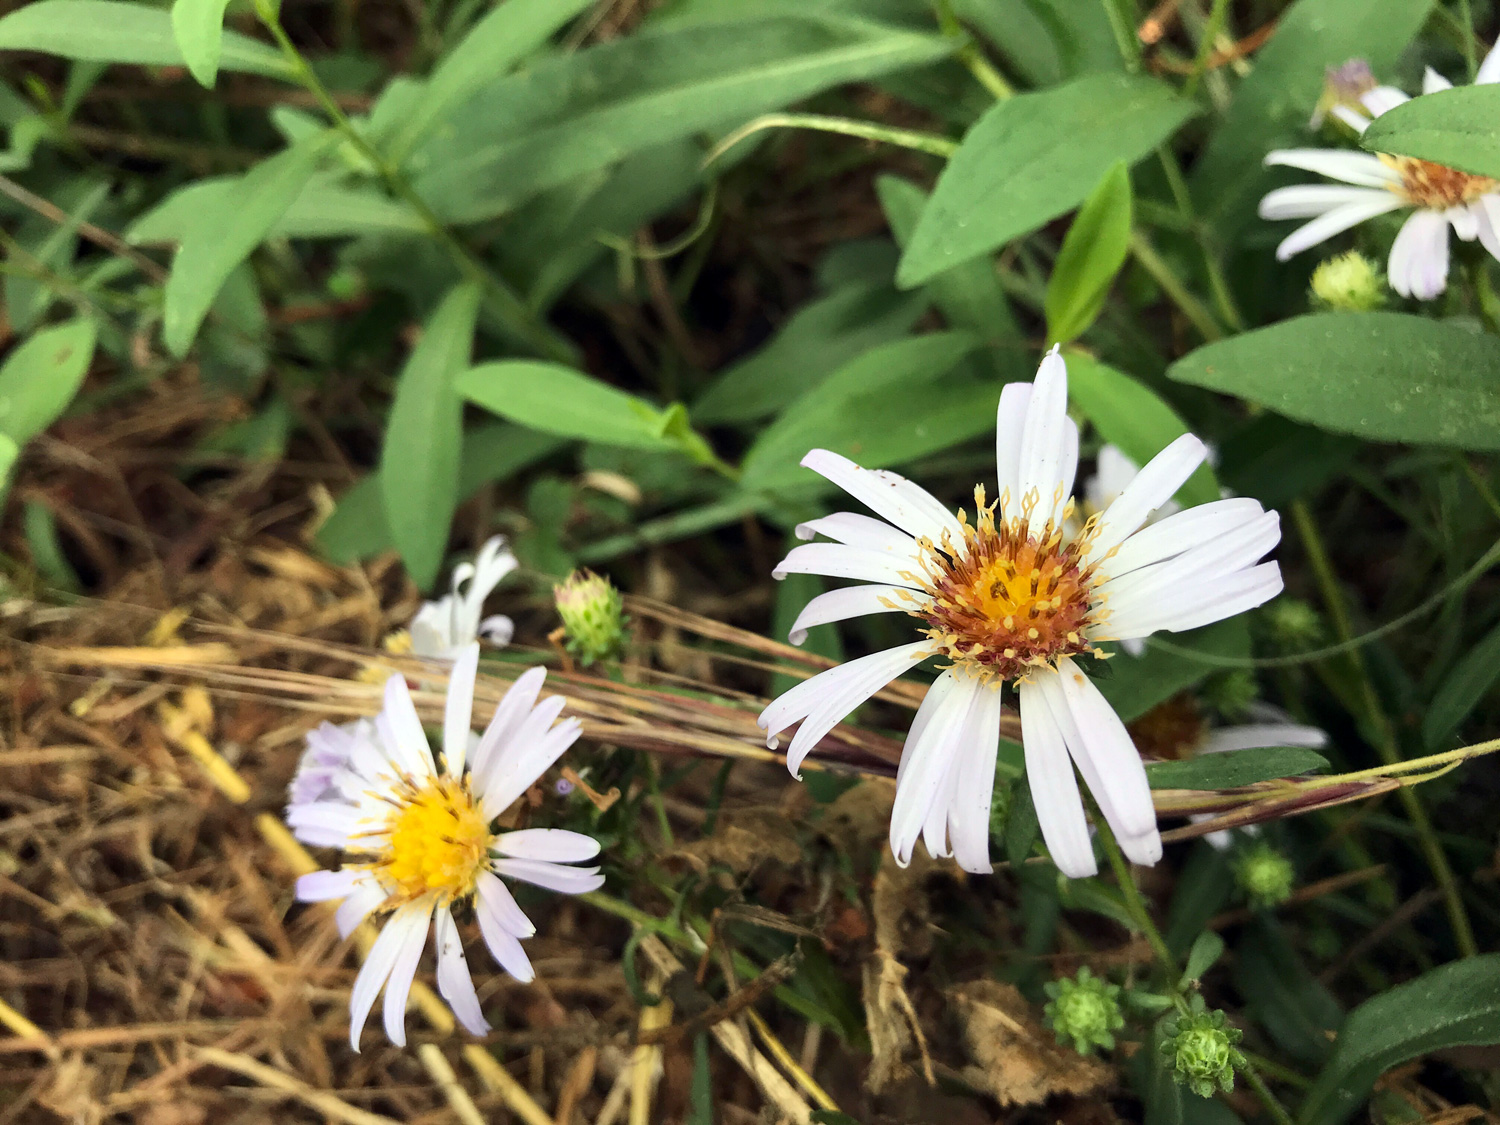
[797,636]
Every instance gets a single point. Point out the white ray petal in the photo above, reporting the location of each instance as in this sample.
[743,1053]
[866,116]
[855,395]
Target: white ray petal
[527,760]
[1255,736]
[406,925]
[365,897]
[1351,167]
[407,743]
[1054,789]
[835,560]
[1306,201]
[1489,70]
[1179,532]
[1114,767]
[1432,82]
[1464,221]
[945,683]
[860,531]
[514,706]
[1010,423]
[927,766]
[455,982]
[554,876]
[1234,550]
[458,710]
[1152,487]
[556,845]
[894,498]
[1487,212]
[1202,604]
[504,910]
[1383,99]
[853,601]
[1043,444]
[403,972]
[1337,221]
[1418,265]
[324,886]
[969,814]
[504,946]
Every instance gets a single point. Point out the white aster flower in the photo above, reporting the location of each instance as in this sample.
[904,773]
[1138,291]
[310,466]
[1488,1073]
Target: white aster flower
[442,628]
[422,838]
[1010,598]
[1438,196]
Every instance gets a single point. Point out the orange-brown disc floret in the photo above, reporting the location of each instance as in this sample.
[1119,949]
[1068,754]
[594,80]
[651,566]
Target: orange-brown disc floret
[1436,186]
[1009,601]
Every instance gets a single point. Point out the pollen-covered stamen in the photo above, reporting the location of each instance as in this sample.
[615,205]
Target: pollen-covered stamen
[1436,186]
[1011,600]
[438,841]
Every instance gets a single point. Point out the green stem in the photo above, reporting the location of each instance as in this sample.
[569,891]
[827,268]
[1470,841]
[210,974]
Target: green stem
[1263,1092]
[846,126]
[981,68]
[1172,285]
[1136,903]
[1467,18]
[1130,47]
[1211,32]
[503,301]
[1382,735]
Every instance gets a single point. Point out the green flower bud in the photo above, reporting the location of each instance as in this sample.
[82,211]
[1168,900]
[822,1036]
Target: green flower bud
[593,617]
[1294,624]
[1264,874]
[1349,282]
[1201,1049]
[1084,1011]
[1231,693]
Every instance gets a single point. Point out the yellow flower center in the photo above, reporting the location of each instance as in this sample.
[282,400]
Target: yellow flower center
[1009,601]
[1436,186]
[439,840]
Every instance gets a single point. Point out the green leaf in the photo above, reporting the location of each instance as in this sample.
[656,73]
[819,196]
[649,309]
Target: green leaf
[324,208]
[1233,768]
[1092,253]
[424,436]
[41,375]
[112,31]
[701,1092]
[1382,376]
[46,551]
[1282,994]
[1272,105]
[225,230]
[492,47]
[1138,683]
[1129,414]
[881,409]
[1022,827]
[1207,948]
[1454,1005]
[1468,682]
[819,338]
[572,114]
[1033,157]
[559,400]
[198,26]
[1454,127]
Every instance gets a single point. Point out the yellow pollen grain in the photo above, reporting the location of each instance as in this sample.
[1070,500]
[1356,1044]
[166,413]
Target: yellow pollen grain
[439,841]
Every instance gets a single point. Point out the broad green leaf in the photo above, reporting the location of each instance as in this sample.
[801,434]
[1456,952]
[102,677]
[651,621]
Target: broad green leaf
[1033,157]
[494,45]
[559,400]
[1233,768]
[113,31]
[41,375]
[1469,681]
[224,231]
[819,338]
[1129,414]
[55,247]
[1272,105]
[1045,40]
[1207,948]
[1379,375]
[1135,684]
[199,28]
[1281,993]
[1454,127]
[880,409]
[424,436]
[1454,1005]
[324,208]
[1092,253]
[572,114]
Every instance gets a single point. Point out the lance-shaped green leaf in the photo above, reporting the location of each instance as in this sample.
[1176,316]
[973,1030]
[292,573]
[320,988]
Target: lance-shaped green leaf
[558,400]
[41,375]
[199,28]
[419,463]
[1476,672]
[226,229]
[1033,157]
[113,31]
[1092,253]
[1454,1005]
[1454,127]
[1234,768]
[1382,376]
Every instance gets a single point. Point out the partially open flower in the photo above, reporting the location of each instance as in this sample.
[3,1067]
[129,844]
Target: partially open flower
[443,628]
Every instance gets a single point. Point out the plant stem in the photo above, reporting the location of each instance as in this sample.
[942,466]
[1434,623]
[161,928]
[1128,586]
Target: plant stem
[1263,1092]
[1172,285]
[1382,735]
[1136,903]
[969,54]
[1211,32]
[504,302]
[1130,47]
[847,126]
[1467,18]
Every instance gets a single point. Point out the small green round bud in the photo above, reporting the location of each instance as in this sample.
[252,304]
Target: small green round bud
[1265,875]
[1201,1048]
[1231,693]
[1349,283]
[346,284]
[593,617]
[1294,624]
[1084,1011]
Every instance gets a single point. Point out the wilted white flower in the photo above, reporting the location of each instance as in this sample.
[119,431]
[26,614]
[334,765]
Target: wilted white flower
[1438,196]
[442,628]
[421,836]
[1011,598]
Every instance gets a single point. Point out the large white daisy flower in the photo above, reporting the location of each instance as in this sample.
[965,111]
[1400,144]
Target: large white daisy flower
[1438,196]
[442,628]
[1011,598]
[422,838]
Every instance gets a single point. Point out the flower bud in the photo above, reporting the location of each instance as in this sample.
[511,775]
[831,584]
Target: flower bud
[1294,624]
[593,617]
[1349,283]
[1344,86]
[1084,1011]
[1231,693]
[1201,1049]
[1265,875]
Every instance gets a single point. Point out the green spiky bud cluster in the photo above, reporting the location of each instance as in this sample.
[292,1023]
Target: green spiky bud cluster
[1201,1049]
[1084,1011]
[593,617]
[1349,283]
[1294,624]
[1265,875]
[1231,693]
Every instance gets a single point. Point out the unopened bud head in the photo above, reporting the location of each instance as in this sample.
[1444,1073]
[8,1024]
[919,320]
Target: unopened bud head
[1084,1011]
[1265,875]
[593,616]
[1348,283]
[1201,1049]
